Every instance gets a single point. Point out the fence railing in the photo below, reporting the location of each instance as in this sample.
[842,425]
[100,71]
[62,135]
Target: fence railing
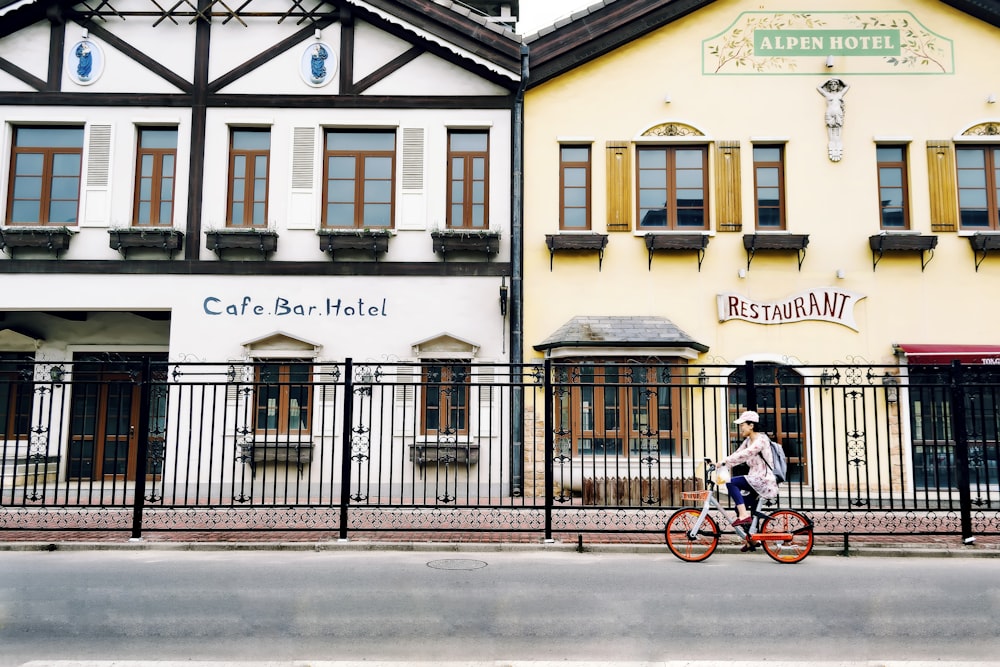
[138,444]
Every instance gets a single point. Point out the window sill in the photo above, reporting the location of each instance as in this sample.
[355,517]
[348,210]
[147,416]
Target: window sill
[373,241]
[264,241]
[776,242]
[574,242]
[901,242]
[165,238]
[674,242]
[449,241]
[52,239]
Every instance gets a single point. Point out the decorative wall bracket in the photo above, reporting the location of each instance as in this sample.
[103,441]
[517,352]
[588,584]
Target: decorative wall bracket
[883,243]
[754,243]
[577,243]
[677,243]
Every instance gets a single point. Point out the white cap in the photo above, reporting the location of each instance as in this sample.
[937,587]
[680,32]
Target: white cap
[748,416]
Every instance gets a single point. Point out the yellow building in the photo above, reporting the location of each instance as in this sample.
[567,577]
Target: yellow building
[796,184]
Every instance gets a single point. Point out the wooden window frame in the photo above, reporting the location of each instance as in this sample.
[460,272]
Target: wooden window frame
[903,167]
[284,385]
[45,199]
[565,165]
[360,181]
[468,161]
[249,177]
[157,181]
[671,209]
[17,407]
[758,165]
[437,382]
[991,173]
[617,401]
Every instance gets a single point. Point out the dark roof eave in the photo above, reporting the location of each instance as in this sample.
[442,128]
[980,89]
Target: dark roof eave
[611,345]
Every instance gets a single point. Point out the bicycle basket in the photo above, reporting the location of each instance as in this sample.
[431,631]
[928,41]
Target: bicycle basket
[700,496]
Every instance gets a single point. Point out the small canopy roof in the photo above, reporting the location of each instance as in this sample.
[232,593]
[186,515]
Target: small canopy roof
[617,335]
[933,353]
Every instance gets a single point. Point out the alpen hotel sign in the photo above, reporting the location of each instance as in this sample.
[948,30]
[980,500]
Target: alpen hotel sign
[826,304]
[869,42]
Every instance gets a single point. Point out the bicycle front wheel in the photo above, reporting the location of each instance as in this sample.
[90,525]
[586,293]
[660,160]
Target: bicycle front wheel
[684,545]
[791,550]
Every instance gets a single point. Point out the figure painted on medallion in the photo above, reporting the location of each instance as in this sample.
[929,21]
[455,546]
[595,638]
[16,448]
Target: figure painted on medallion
[318,63]
[833,91]
[85,61]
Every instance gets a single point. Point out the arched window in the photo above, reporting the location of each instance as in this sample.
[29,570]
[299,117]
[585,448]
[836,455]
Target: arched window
[781,404]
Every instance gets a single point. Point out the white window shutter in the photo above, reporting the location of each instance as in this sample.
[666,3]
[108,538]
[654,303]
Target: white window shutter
[302,202]
[413,203]
[95,209]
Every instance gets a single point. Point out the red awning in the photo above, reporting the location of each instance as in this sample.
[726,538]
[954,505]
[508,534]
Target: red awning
[945,354]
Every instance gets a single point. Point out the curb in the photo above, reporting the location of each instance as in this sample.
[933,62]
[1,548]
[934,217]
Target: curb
[870,551]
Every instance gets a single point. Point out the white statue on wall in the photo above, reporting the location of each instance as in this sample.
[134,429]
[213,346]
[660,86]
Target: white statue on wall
[834,90]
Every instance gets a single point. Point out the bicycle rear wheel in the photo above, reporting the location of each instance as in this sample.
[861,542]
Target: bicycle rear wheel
[795,549]
[679,538]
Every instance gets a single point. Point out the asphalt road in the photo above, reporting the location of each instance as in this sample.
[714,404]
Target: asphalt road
[502,605]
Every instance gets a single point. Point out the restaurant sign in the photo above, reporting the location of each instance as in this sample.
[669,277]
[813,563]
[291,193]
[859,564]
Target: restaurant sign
[825,304]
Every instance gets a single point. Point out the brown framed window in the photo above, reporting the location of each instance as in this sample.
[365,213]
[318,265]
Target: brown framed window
[611,408]
[445,400]
[45,168]
[360,177]
[978,186]
[468,179]
[16,391]
[769,186]
[574,187]
[249,156]
[283,398]
[673,187]
[894,212]
[155,175]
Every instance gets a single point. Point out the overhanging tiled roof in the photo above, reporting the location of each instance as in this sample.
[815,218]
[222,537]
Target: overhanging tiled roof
[610,331]
[609,24]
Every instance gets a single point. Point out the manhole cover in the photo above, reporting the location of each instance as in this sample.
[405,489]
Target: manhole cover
[456,564]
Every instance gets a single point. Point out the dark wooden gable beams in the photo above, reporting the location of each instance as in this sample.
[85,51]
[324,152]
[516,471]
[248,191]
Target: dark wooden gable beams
[449,35]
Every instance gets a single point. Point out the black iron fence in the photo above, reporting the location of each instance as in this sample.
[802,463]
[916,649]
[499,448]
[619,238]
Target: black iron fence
[138,444]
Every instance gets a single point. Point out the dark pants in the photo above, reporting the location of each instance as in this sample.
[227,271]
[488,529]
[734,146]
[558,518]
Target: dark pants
[737,486]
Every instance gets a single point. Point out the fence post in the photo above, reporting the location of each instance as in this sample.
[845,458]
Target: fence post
[751,387]
[549,449]
[142,447]
[961,436]
[346,438]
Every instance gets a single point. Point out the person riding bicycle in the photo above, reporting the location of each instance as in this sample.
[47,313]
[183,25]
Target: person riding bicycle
[755,452]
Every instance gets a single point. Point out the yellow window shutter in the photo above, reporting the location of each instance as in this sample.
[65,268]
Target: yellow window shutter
[619,186]
[728,204]
[942,184]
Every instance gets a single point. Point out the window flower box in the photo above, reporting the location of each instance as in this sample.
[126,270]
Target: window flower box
[444,454]
[776,242]
[53,239]
[456,240]
[264,241]
[982,243]
[888,242]
[374,241]
[672,242]
[167,239]
[577,243]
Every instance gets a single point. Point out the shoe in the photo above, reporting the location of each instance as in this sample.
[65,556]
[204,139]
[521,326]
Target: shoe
[743,522]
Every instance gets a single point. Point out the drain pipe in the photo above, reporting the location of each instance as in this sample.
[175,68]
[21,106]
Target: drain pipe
[516,284]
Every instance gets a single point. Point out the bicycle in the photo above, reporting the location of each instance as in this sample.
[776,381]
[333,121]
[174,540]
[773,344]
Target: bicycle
[693,534]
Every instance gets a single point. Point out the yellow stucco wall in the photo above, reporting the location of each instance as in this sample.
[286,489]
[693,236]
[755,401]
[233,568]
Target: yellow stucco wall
[623,94]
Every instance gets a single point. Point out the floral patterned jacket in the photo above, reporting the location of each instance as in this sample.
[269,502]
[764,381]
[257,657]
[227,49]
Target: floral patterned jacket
[760,476]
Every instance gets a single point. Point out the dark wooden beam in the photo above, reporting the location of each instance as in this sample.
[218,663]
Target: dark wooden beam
[254,268]
[385,70]
[23,76]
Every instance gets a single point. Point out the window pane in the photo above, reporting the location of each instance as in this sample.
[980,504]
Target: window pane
[972,179]
[50,137]
[25,211]
[971,158]
[575,154]
[688,159]
[972,198]
[575,197]
[892,217]
[378,215]
[890,177]
[158,138]
[65,188]
[29,165]
[766,154]
[690,218]
[468,141]
[767,177]
[378,167]
[378,191]
[891,196]
[340,215]
[340,191]
[575,218]
[27,188]
[361,141]
[62,212]
[889,154]
[769,217]
[251,140]
[649,159]
[574,177]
